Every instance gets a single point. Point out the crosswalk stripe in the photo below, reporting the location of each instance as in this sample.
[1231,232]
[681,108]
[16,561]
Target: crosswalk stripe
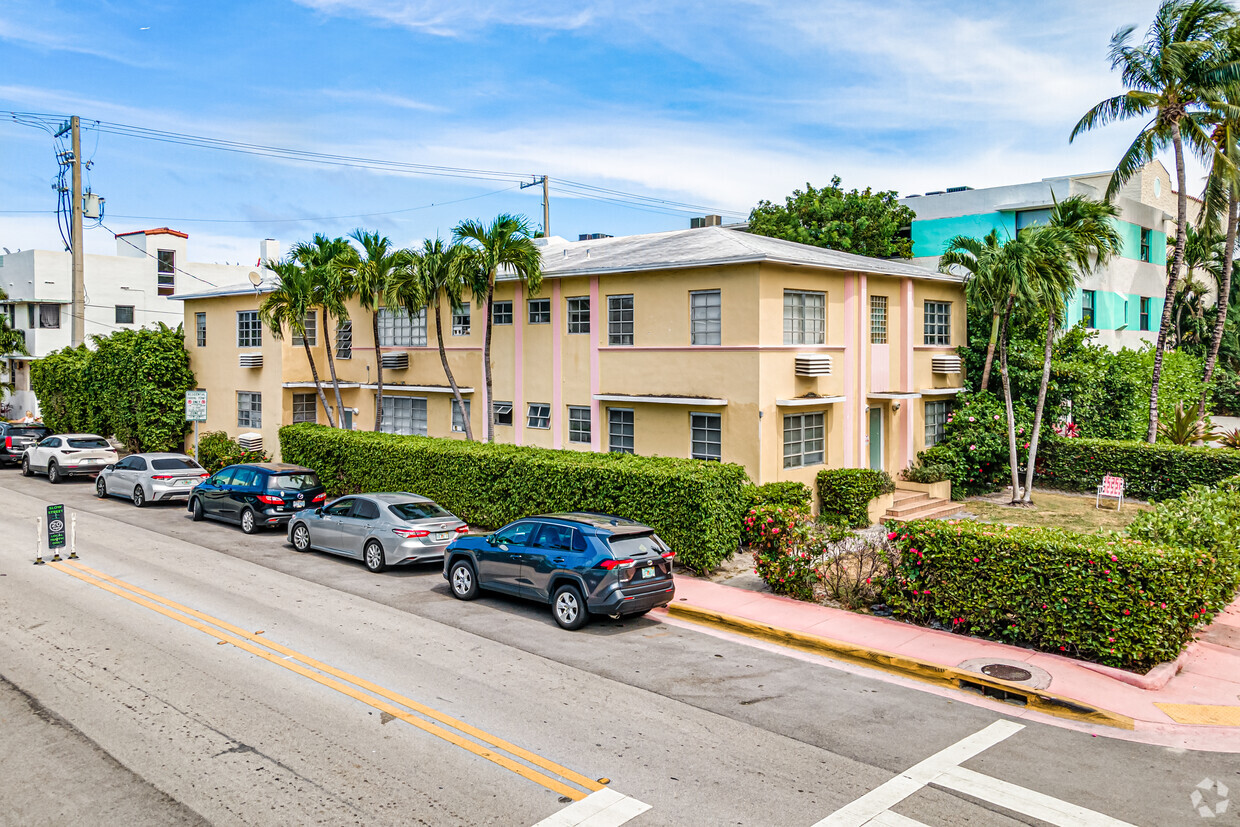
[604,808]
[1023,800]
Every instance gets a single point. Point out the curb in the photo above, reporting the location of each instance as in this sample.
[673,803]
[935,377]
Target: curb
[959,679]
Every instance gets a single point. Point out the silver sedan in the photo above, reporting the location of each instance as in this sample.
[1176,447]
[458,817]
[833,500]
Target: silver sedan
[380,529]
[150,478]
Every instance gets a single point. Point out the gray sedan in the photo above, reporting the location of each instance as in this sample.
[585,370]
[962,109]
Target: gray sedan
[380,529]
[150,478]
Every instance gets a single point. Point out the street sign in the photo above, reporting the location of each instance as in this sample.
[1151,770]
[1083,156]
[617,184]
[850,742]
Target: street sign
[196,406]
[55,526]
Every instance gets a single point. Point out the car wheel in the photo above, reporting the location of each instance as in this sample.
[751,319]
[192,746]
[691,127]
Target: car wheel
[101,487]
[26,472]
[196,509]
[301,537]
[53,473]
[248,524]
[569,608]
[139,497]
[464,581]
[373,556]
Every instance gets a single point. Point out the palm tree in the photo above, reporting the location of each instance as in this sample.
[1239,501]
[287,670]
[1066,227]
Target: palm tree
[981,289]
[1079,238]
[322,258]
[439,278]
[287,306]
[1169,76]
[507,244]
[367,278]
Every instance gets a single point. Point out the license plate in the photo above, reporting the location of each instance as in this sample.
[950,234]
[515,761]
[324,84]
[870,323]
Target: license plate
[647,573]
[299,504]
[441,535]
[185,482]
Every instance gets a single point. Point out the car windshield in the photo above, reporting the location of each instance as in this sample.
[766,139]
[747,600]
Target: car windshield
[629,545]
[88,442]
[38,433]
[175,464]
[418,511]
[294,482]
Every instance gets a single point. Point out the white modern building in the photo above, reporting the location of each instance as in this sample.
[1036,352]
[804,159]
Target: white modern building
[129,290]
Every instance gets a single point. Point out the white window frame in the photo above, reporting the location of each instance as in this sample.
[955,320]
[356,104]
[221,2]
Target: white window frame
[578,314]
[311,323]
[577,417]
[538,416]
[405,415]
[200,329]
[616,439]
[702,426]
[249,329]
[705,317]
[538,311]
[461,320]
[936,414]
[620,320]
[165,272]
[458,422]
[805,439]
[501,313]
[398,328]
[305,407]
[249,409]
[805,317]
[878,320]
[503,409]
[937,323]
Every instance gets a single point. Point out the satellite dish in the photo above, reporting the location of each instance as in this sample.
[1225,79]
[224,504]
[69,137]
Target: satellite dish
[255,279]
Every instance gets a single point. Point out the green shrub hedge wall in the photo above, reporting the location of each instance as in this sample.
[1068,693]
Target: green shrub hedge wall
[217,450]
[845,494]
[780,494]
[1203,518]
[695,506]
[1110,599]
[1150,472]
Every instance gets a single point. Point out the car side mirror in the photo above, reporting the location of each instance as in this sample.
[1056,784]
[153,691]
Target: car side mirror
[319,510]
[108,467]
[491,540]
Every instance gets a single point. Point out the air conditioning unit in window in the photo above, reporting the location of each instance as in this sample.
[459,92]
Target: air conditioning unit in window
[395,361]
[251,360]
[945,364]
[813,364]
[250,441]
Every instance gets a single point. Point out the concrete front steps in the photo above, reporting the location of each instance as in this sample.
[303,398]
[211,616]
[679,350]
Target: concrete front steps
[917,505]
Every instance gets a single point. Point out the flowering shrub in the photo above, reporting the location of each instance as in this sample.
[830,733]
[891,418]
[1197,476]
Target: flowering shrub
[788,568]
[1067,430]
[974,448]
[765,527]
[1115,600]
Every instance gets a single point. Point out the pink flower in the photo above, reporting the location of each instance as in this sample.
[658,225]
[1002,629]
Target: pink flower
[972,447]
[977,559]
[971,419]
[996,417]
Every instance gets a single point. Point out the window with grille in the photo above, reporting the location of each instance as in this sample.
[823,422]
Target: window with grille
[936,421]
[706,434]
[805,317]
[620,320]
[200,329]
[460,320]
[405,415]
[1088,300]
[399,329]
[305,407]
[620,430]
[249,329]
[249,410]
[166,272]
[124,314]
[503,412]
[705,317]
[501,313]
[458,421]
[1145,312]
[311,323]
[938,323]
[878,320]
[540,311]
[803,440]
[344,338]
[578,424]
[538,415]
[579,314]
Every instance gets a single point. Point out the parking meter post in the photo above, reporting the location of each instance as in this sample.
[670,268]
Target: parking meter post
[73,538]
[38,540]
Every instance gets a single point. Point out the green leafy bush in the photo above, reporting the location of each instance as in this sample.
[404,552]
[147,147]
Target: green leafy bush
[788,569]
[695,506]
[767,526]
[1229,483]
[1203,518]
[1114,600]
[973,451]
[926,474]
[845,494]
[1150,472]
[217,450]
[786,494]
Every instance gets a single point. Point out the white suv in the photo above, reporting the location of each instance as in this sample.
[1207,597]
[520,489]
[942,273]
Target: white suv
[66,455]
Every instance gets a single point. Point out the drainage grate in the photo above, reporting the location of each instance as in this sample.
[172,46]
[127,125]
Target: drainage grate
[1014,698]
[1006,673]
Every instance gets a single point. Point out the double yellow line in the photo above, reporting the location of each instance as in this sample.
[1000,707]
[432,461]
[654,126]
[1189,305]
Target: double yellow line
[548,774]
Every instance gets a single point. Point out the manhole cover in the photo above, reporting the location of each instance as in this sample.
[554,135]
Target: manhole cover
[1006,673]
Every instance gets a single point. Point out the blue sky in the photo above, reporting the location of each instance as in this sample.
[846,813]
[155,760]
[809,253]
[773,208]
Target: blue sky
[718,104]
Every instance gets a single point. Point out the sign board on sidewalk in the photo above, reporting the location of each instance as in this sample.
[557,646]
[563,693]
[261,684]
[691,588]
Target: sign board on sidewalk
[196,406]
[55,526]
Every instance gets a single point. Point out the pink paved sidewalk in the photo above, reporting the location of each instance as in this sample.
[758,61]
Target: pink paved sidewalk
[1209,673]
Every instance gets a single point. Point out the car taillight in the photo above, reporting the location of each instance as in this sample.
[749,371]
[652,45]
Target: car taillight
[411,532]
[162,477]
[270,500]
[203,476]
[668,555]
[319,498]
[462,529]
[617,564]
[8,442]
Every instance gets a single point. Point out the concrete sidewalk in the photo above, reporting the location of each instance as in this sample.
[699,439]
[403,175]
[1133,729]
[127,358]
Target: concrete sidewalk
[1196,699]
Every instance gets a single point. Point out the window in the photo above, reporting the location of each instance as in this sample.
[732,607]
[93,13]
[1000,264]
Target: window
[936,421]
[579,314]
[404,415]
[49,316]
[245,478]
[620,430]
[578,424]
[458,421]
[805,318]
[365,510]
[501,313]
[1030,218]
[540,311]
[938,323]
[1146,237]
[538,415]
[30,314]
[340,508]
[878,320]
[200,329]
[249,329]
[399,329]
[460,320]
[165,272]
[311,323]
[344,339]
[124,314]
[803,440]
[705,317]
[305,407]
[1088,299]
[1145,312]
[503,412]
[620,320]
[706,436]
[249,410]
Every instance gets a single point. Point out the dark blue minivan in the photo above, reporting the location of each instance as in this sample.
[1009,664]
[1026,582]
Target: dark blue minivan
[257,494]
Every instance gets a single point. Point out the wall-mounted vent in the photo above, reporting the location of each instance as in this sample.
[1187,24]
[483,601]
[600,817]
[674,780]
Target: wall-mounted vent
[813,364]
[250,441]
[945,364]
[251,360]
[396,361]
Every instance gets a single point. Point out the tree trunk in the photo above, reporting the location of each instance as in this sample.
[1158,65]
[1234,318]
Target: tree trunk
[486,360]
[1037,415]
[374,327]
[990,349]
[1173,277]
[314,373]
[443,357]
[1224,299]
[1011,420]
[331,367]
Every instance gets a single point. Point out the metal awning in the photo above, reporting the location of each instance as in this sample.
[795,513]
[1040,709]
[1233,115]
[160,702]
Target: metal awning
[661,400]
[807,401]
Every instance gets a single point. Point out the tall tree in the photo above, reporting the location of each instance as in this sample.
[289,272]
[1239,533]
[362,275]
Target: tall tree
[440,279]
[322,259]
[1169,76]
[367,275]
[860,221]
[504,244]
[982,288]
[287,306]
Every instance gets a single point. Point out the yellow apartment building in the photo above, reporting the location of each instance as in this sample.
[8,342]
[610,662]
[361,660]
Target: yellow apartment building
[709,343]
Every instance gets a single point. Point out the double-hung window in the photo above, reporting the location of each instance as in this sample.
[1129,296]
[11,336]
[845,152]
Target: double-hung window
[458,421]
[249,409]
[344,339]
[705,317]
[1089,300]
[805,317]
[501,313]
[538,416]
[579,314]
[249,329]
[936,421]
[620,430]
[878,320]
[200,329]
[404,415]
[166,272]
[706,440]
[399,329]
[620,320]
[803,440]
[1145,312]
[578,424]
[311,324]
[305,407]
[460,320]
[938,323]
[539,311]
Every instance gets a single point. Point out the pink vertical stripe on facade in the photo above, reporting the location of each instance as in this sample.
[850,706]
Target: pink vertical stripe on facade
[906,350]
[596,330]
[557,355]
[486,402]
[850,309]
[518,366]
[863,373]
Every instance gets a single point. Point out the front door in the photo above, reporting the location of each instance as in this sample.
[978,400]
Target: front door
[876,439]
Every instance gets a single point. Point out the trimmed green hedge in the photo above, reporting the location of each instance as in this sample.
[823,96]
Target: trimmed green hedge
[695,506]
[1114,600]
[1203,518]
[845,494]
[1150,472]
[796,495]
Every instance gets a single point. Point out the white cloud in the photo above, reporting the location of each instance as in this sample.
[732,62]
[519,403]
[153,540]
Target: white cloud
[362,96]
[460,17]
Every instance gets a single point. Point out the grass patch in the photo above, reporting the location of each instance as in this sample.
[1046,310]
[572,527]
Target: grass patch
[1055,510]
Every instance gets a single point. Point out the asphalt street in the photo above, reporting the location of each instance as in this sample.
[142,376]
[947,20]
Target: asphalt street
[209,675]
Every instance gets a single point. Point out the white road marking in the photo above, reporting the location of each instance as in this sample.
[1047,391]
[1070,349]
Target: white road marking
[602,808]
[889,819]
[1022,800]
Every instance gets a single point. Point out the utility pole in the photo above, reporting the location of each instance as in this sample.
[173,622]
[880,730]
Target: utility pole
[542,179]
[77,304]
